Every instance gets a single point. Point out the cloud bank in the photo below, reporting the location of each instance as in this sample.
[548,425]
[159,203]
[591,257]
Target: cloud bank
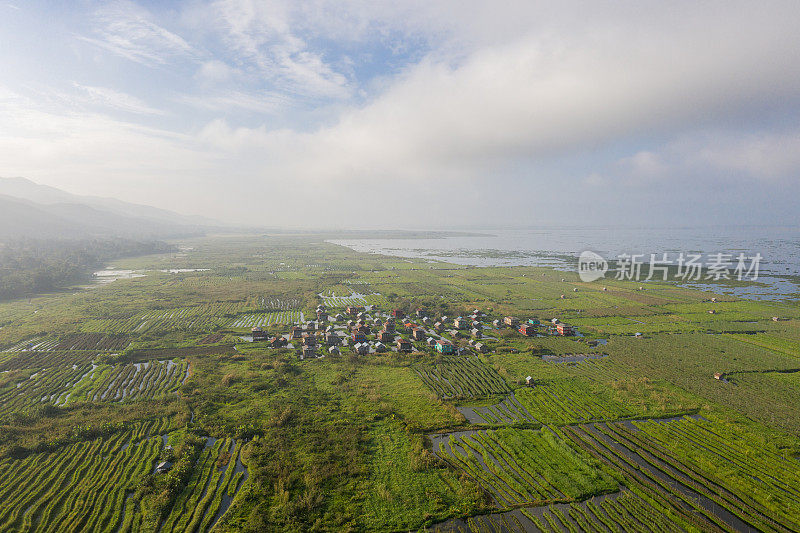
[363,113]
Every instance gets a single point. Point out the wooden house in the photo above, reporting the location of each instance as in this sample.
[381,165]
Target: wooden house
[418,334]
[511,322]
[332,339]
[445,347]
[361,348]
[385,336]
[277,342]
[404,345]
[358,336]
[476,333]
[462,323]
[259,334]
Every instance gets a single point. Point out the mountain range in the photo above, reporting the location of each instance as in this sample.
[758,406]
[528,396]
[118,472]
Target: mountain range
[31,210]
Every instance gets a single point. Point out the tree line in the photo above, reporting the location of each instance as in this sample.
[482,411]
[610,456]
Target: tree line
[32,266]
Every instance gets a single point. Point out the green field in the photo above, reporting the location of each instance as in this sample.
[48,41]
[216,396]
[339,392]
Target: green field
[99,386]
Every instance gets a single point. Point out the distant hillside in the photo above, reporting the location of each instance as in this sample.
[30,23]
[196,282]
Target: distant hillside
[26,189]
[21,218]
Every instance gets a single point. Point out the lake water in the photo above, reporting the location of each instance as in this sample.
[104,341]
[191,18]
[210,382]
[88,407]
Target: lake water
[559,247]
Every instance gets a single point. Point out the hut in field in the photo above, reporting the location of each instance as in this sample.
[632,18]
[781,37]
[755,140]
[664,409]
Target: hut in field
[529,381]
[163,467]
[497,324]
[564,330]
[462,323]
[333,350]
[481,347]
[332,339]
[529,330]
[430,341]
[511,322]
[380,347]
[385,336]
[418,334]
[476,333]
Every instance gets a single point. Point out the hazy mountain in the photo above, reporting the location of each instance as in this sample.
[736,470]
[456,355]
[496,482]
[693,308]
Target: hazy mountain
[44,194]
[24,218]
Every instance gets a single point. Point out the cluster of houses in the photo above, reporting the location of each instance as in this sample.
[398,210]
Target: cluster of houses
[530,327]
[359,327]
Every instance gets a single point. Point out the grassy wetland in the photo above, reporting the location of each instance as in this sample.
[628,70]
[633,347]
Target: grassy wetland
[601,431]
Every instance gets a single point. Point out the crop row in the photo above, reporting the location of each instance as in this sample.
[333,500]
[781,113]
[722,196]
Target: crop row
[566,401]
[623,512]
[75,341]
[82,487]
[508,411]
[39,360]
[747,475]
[252,320]
[130,381]
[48,385]
[217,478]
[333,299]
[461,377]
[523,466]
[688,491]
[279,304]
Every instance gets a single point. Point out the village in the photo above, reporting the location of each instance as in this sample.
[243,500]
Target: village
[365,330]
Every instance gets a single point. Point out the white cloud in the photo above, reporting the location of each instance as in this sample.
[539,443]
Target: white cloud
[262,34]
[126,29]
[215,71]
[111,98]
[495,99]
[262,103]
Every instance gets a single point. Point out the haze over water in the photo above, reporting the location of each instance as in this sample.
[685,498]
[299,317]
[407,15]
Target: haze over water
[559,247]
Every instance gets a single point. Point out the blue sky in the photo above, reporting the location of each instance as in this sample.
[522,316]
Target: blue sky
[411,114]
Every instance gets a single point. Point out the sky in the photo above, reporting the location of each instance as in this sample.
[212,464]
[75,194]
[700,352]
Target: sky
[411,114]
